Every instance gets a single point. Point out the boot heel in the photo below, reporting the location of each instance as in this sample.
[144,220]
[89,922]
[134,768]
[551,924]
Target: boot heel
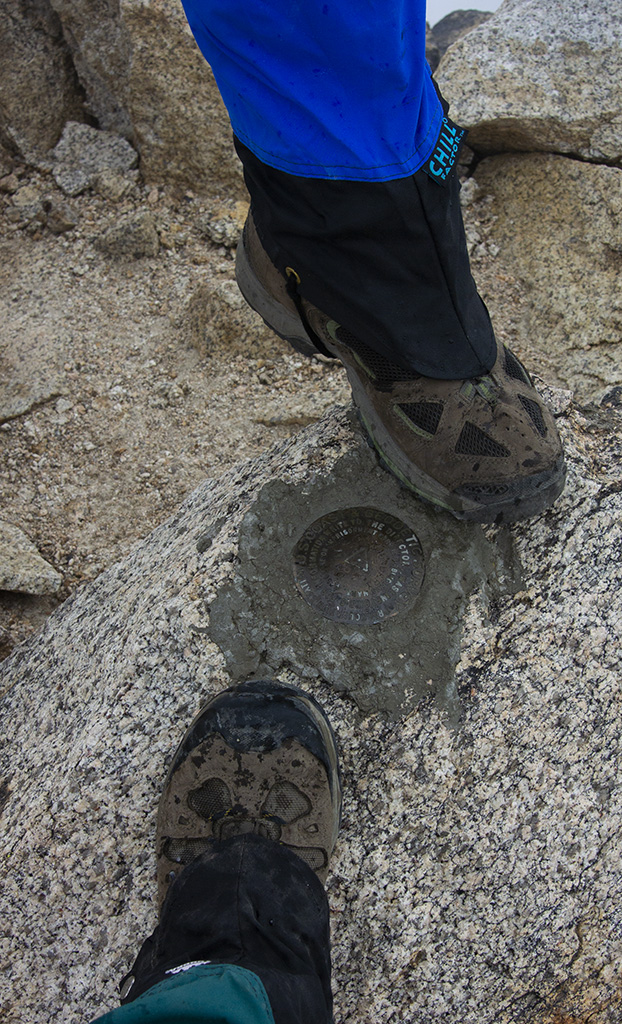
[279,319]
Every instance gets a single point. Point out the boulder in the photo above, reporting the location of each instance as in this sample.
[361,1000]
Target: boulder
[9,184]
[22,568]
[432,52]
[216,318]
[24,389]
[134,235]
[59,217]
[40,90]
[27,202]
[102,56]
[224,223]
[146,79]
[83,153]
[557,226]
[477,875]
[455,25]
[181,126]
[115,185]
[540,76]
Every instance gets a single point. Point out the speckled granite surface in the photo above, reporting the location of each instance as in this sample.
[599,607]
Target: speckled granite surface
[477,878]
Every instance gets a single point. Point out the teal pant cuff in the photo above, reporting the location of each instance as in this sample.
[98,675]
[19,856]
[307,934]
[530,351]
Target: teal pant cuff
[199,994]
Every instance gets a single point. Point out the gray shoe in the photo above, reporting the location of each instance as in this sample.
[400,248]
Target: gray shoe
[260,757]
[485,449]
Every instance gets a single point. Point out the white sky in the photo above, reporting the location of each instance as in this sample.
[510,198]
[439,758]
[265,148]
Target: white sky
[437,9]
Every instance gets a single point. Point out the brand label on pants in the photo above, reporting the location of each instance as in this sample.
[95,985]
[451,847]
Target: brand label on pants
[448,146]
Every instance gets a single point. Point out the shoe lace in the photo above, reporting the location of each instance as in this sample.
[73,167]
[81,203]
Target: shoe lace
[237,821]
[486,387]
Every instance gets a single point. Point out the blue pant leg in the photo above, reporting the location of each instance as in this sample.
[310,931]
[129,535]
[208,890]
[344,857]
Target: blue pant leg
[324,88]
[336,117]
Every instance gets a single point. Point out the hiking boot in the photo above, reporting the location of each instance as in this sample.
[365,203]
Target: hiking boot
[485,449]
[260,757]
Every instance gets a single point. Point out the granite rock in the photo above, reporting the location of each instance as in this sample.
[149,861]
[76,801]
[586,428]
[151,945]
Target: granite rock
[145,79]
[31,359]
[477,876]
[9,184]
[540,76]
[28,202]
[181,126]
[115,185]
[217,317]
[224,223]
[22,390]
[134,235]
[38,83]
[82,153]
[348,609]
[432,52]
[28,205]
[22,568]
[59,216]
[102,54]
[455,25]
[557,226]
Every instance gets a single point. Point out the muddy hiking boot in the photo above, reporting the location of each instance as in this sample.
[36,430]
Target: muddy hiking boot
[485,449]
[260,758]
[247,823]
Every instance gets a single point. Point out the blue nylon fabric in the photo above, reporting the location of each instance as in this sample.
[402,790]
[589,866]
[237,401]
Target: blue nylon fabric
[209,994]
[324,88]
